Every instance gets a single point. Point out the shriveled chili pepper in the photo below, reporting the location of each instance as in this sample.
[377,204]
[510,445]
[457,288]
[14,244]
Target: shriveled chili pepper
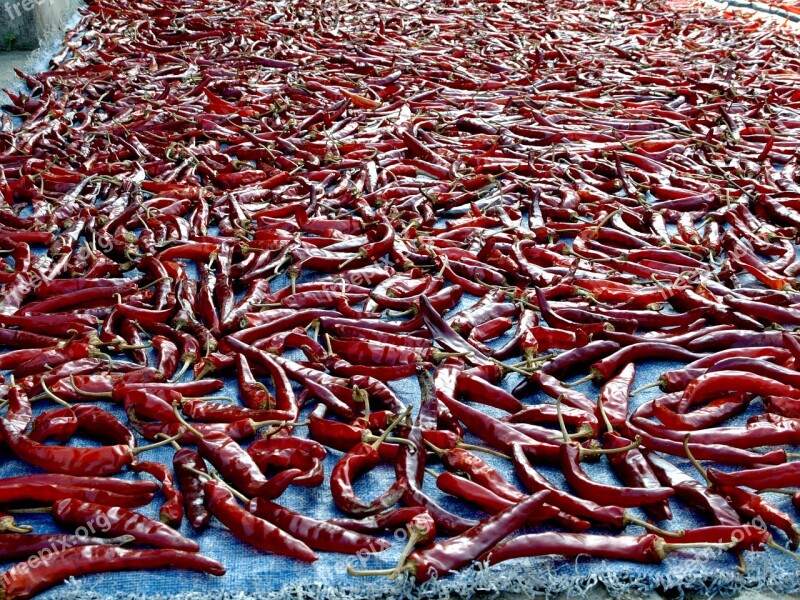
[171,511]
[121,521]
[410,468]
[448,338]
[251,529]
[21,546]
[359,459]
[386,521]
[448,555]
[648,548]
[105,460]
[88,560]
[318,535]
[186,463]
[691,491]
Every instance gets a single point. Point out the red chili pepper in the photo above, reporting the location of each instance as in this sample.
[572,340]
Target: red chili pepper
[186,462]
[105,460]
[389,520]
[171,511]
[318,535]
[99,559]
[57,424]
[251,529]
[648,548]
[601,493]
[120,521]
[361,458]
[459,551]
[475,389]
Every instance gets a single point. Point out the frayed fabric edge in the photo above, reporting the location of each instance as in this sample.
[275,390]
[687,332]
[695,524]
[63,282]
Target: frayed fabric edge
[535,578]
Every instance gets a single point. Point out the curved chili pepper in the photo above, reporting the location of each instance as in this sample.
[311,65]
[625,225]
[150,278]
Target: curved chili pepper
[634,471]
[57,424]
[318,535]
[410,468]
[569,460]
[105,460]
[361,458]
[456,552]
[448,338]
[99,559]
[693,492]
[171,511]
[186,462]
[251,529]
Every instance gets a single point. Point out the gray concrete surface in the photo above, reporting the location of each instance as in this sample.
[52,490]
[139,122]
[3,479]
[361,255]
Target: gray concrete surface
[25,24]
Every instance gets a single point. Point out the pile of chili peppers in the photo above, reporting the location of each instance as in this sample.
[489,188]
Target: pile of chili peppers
[316,200]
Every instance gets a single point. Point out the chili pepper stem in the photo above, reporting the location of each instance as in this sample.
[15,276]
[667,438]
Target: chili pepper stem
[375,572]
[776,546]
[435,449]
[210,398]
[12,527]
[154,445]
[208,477]
[29,511]
[382,438]
[646,387]
[186,363]
[595,451]
[172,441]
[776,491]
[582,380]
[603,414]
[630,520]
[183,421]
[52,396]
[439,356]
[693,460]
[506,367]
[669,547]
[409,547]
[362,397]
[560,417]
[482,449]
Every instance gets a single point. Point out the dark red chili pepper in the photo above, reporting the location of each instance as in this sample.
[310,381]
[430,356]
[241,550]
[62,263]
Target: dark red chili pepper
[410,468]
[359,459]
[318,535]
[251,529]
[57,424]
[120,521]
[634,471]
[171,511]
[476,389]
[456,552]
[389,520]
[753,506]
[693,492]
[92,559]
[714,413]
[448,338]
[776,476]
[105,460]
[186,462]
[497,434]
[605,494]
[648,548]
